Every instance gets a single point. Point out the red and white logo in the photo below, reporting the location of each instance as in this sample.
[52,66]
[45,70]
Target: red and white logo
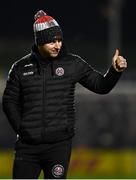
[59,71]
[58,171]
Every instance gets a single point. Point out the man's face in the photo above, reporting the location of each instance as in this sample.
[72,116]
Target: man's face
[51,49]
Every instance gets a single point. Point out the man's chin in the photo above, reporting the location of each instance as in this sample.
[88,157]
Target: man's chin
[54,54]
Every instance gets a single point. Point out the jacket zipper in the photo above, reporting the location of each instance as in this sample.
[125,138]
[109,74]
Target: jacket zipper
[44,95]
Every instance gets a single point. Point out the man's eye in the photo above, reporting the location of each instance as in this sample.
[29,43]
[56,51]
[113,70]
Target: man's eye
[59,40]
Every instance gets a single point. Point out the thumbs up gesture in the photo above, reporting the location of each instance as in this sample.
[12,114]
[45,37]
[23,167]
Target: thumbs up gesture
[118,62]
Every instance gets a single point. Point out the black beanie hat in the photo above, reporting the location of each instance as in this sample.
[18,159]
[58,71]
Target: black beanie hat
[46,28]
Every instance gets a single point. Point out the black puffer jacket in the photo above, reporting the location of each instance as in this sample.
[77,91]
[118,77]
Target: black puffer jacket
[39,99]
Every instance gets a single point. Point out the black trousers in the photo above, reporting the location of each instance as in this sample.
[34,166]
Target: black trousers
[53,159]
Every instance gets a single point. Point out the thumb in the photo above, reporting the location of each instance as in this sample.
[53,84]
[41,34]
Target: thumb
[116,54]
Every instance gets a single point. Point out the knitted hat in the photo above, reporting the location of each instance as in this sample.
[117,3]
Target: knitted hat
[46,28]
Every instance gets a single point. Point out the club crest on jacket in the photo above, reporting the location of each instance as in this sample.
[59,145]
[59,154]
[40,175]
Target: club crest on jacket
[59,71]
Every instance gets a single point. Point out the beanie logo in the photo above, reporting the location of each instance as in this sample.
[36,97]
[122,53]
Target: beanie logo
[59,71]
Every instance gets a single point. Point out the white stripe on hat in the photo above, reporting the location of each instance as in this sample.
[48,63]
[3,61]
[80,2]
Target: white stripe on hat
[45,25]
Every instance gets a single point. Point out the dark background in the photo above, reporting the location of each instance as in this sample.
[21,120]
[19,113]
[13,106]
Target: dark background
[87,18]
[85,25]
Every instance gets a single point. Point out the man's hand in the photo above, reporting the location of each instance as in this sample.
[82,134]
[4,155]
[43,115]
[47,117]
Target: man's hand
[118,62]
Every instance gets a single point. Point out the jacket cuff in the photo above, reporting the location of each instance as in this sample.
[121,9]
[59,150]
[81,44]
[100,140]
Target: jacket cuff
[113,71]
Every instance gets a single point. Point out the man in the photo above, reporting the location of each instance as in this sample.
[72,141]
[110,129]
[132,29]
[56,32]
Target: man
[39,100]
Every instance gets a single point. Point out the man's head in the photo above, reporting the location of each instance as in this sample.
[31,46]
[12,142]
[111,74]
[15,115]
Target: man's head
[48,34]
[46,28]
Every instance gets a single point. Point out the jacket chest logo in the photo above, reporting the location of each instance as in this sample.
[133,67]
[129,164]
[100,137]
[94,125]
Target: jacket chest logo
[28,65]
[28,73]
[59,71]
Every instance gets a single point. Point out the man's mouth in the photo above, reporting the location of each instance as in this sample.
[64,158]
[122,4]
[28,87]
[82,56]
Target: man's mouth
[56,51]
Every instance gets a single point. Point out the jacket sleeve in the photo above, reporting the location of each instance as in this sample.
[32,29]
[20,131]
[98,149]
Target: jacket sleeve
[94,80]
[11,99]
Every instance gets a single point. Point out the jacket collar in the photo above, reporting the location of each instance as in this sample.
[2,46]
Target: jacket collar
[36,53]
[41,62]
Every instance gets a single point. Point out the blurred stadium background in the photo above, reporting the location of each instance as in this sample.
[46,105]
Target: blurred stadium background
[105,143]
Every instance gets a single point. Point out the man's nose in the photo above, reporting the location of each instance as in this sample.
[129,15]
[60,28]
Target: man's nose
[57,45]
